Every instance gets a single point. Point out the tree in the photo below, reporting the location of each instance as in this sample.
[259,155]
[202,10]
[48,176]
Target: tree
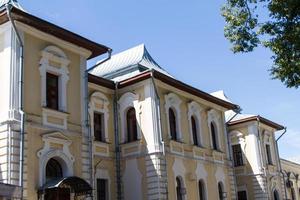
[247,27]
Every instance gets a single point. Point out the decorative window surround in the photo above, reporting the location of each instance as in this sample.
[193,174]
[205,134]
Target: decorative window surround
[214,117]
[49,114]
[56,145]
[202,176]
[237,137]
[194,110]
[179,171]
[176,148]
[99,103]
[103,174]
[56,55]
[127,101]
[173,101]
[220,178]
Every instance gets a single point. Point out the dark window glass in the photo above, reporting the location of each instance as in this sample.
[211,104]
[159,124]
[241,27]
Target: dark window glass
[53,170]
[242,195]
[131,125]
[99,127]
[276,195]
[194,131]
[213,136]
[269,156]
[220,190]
[172,123]
[102,189]
[179,189]
[293,194]
[237,155]
[52,91]
[201,190]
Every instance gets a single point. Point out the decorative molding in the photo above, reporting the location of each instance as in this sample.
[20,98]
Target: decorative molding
[173,101]
[56,145]
[179,171]
[131,149]
[202,176]
[99,103]
[55,118]
[103,174]
[127,101]
[54,54]
[194,110]
[214,117]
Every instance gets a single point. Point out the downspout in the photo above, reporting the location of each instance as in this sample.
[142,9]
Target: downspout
[21,103]
[117,142]
[279,161]
[87,117]
[158,121]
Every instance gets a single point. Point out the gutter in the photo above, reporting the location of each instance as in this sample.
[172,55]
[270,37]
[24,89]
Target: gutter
[279,161]
[8,7]
[87,116]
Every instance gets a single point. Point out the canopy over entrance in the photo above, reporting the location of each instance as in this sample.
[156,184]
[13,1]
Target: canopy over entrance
[75,185]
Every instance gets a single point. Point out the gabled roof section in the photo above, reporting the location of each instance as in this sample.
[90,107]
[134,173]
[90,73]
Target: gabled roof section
[234,118]
[14,3]
[127,64]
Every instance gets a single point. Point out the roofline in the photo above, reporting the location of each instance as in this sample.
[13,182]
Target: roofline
[255,118]
[289,161]
[179,85]
[50,28]
[101,81]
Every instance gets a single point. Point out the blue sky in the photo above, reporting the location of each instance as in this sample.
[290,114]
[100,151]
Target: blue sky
[187,40]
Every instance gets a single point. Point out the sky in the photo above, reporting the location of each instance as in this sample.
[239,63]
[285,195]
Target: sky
[186,38]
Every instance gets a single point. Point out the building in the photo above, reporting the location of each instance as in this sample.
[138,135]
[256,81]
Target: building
[124,129]
[291,171]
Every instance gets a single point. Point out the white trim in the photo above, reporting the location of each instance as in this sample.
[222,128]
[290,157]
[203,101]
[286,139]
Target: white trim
[173,101]
[238,138]
[46,113]
[179,171]
[126,101]
[202,176]
[214,117]
[103,174]
[194,110]
[99,99]
[220,177]
[52,53]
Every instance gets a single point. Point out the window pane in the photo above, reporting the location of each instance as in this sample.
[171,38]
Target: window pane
[237,155]
[53,170]
[201,190]
[213,136]
[99,127]
[102,189]
[242,195]
[269,157]
[52,91]
[131,125]
[194,131]
[172,123]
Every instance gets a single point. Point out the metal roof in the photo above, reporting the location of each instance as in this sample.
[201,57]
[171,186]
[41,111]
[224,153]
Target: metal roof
[14,3]
[127,64]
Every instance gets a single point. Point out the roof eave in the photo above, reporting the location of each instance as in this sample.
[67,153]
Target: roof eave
[263,120]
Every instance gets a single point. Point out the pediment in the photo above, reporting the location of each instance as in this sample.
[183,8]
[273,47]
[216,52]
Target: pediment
[56,136]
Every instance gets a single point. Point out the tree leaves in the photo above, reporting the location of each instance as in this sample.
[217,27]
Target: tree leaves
[245,29]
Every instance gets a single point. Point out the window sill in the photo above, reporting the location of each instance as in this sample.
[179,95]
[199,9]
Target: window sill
[176,147]
[55,110]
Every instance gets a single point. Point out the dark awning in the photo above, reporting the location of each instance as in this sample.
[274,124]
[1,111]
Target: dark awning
[75,184]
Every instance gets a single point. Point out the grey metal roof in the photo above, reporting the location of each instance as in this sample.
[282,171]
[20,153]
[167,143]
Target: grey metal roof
[14,3]
[127,64]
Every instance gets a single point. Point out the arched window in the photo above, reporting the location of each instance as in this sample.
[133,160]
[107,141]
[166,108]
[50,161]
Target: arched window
[172,124]
[53,170]
[179,189]
[201,189]
[131,125]
[194,131]
[276,195]
[214,135]
[220,190]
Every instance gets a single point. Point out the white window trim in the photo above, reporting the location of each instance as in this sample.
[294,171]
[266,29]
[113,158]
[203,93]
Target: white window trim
[214,117]
[173,101]
[127,101]
[240,140]
[267,138]
[202,176]
[99,98]
[194,110]
[103,174]
[52,53]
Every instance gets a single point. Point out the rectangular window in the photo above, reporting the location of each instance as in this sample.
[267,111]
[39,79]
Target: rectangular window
[269,155]
[242,195]
[52,91]
[237,155]
[102,189]
[99,127]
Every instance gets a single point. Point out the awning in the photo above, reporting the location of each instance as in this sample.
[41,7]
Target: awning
[77,185]
[10,191]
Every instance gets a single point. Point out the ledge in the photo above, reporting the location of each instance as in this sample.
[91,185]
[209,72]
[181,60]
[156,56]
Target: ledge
[131,148]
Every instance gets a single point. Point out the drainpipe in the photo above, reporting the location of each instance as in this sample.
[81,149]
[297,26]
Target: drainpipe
[8,7]
[87,117]
[279,161]
[117,143]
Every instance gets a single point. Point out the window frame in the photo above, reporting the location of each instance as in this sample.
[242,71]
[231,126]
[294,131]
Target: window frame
[237,162]
[268,154]
[106,188]
[131,136]
[214,136]
[173,124]
[173,101]
[244,192]
[99,137]
[49,98]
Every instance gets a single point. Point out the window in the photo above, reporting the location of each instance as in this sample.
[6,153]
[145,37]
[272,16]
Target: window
[99,127]
[201,189]
[220,190]
[172,123]
[213,136]
[194,131]
[102,189]
[293,195]
[269,156]
[276,195]
[237,155]
[131,125]
[53,170]
[180,191]
[242,195]
[52,91]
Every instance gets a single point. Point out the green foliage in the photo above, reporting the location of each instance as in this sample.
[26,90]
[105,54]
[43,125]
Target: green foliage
[279,31]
